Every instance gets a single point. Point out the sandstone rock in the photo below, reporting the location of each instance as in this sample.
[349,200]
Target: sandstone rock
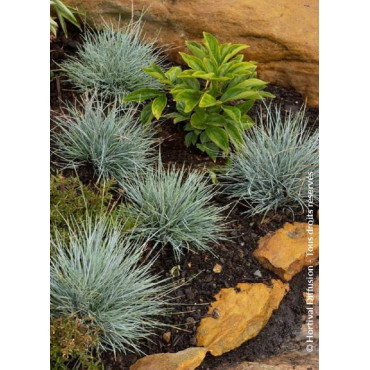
[283,35]
[284,252]
[238,314]
[299,360]
[187,359]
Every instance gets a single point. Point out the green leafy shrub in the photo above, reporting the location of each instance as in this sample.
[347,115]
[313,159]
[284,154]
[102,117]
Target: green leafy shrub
[270,173]
[175,209]
[109,139]
[213,96]
[63,12]
[110,62]
[98,274]
[72,341]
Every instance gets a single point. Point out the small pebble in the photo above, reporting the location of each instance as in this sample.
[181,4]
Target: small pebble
[258,273]
[217,268]
[167,336]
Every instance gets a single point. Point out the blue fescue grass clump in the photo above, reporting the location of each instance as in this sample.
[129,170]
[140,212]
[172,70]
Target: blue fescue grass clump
[110,61]
[97,276]
[270,173]
[176,208]
[108,138]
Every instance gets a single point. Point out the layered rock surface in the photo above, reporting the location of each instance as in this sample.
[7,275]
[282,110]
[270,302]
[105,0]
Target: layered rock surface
[283,35]
[188,359]
[285,251]
[239,314]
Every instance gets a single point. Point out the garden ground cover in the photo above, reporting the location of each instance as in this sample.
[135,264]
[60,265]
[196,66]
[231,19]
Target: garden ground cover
[196,270]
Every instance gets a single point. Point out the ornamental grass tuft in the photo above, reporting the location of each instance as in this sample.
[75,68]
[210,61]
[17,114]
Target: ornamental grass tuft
[107,138]
[111,61]
[271,173]
[176,208]
[98,276]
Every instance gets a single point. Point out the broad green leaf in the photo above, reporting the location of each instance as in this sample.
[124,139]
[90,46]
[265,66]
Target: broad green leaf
[242,68]
[210,65]
[180,106]
[190,98]
[65,12]
[232,51]
[212,45]
[197,49]
[214,109]
[172,73]
[224,49]
[207,101]
[219,137]
[154,68]
[198,118]
[236,94]
[247,122]
[190,138]
[235,81]
[215,119]
[180,119]
[141,95]
[221,78]
[158,105]
[188,73]
[192,61]
[178,92]
[53,26]
[210,148]
[157,73]
[177,117]
[266,94]
[246,106]
[233,112]
[235,134]
[204,138]
[193,83]
[251,83]
[188,127]
[146,114]
[239,58]
[203,75]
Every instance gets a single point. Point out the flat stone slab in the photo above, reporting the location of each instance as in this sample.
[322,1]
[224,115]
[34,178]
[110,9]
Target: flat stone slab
[239,314]
[289,249]
[188,359]
[291,361]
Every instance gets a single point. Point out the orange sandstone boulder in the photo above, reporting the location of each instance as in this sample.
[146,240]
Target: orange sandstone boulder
[239,314]
[289,249]
[188,359]
[283,35]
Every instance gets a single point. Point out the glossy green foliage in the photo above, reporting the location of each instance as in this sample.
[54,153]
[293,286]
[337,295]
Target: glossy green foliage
[64,13]
[213,96]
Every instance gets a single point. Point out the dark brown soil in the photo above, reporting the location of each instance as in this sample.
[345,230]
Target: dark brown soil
[200,283]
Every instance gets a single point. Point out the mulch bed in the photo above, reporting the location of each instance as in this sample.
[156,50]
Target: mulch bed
[235,255]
